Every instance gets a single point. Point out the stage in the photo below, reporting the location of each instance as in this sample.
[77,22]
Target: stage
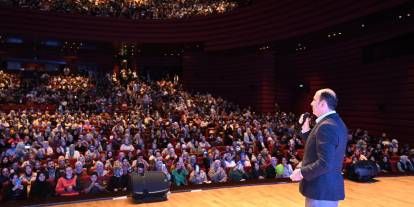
[386,192]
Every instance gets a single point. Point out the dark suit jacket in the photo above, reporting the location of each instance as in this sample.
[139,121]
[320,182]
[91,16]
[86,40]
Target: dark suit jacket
[323,157]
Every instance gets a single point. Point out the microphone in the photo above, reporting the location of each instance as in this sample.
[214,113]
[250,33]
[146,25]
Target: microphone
[304,117]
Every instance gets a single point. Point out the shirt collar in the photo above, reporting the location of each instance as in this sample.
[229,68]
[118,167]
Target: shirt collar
[325,115]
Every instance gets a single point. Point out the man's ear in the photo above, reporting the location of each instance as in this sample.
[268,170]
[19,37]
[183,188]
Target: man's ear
[322,103]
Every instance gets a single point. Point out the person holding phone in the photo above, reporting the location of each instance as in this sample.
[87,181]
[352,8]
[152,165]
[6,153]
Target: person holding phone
[16,190]
[179,174]
[198,176]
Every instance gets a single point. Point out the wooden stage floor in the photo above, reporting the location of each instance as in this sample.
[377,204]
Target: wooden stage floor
[386,192]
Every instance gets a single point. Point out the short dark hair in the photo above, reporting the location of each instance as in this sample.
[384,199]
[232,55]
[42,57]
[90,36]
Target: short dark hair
[329,97]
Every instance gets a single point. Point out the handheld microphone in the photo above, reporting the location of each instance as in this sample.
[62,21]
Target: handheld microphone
[305,116]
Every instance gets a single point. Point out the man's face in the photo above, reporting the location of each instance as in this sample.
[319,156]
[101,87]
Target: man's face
[51,165]
[69,172]
[316,104]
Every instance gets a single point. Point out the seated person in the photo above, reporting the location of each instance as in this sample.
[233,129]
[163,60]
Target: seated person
[271,168]
[198,176]
[161,167]
[140,159]
[66,185]
[284,169]
[385,165]
[4,177]
[405,165]
[118,181]
[103,175]
[94,186]
[140,169]
[28,177]
[257,172]
[81,175]
[217,173]
[15,190]
[238,174]
[72,153]
[51,172]
[179,174]
[229,161]
[41,188]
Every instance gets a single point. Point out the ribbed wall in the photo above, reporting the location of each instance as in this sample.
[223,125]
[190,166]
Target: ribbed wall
[377,96]
[264,21]
[243,77]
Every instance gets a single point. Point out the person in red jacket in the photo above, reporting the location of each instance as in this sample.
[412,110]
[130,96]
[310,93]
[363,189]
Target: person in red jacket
[66,186]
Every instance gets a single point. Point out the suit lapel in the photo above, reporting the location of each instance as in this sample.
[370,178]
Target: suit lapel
[315,128]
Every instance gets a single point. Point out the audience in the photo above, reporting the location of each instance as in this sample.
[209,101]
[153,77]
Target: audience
[132,9]
[104,129]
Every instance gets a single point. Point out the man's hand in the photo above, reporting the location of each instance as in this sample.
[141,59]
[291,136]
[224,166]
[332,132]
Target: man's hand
[306,125]
[296,175]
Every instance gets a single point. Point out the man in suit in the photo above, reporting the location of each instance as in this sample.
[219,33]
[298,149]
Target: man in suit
[320,174]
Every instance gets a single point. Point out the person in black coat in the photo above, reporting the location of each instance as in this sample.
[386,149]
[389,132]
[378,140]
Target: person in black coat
[385,165]
[257,172]
[15,190]
[320,174]
[41,188]
[4,178]
[271,169]
[118,181]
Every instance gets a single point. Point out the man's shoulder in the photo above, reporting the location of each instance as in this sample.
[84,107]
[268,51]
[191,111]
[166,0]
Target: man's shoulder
[332,119]
[333,122]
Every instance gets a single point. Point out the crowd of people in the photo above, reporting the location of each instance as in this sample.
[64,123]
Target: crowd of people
[44,89]
[132,9]
[101,133]
[386,153]
[9,83]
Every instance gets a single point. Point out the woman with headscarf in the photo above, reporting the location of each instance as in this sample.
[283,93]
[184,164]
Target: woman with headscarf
[41,188]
